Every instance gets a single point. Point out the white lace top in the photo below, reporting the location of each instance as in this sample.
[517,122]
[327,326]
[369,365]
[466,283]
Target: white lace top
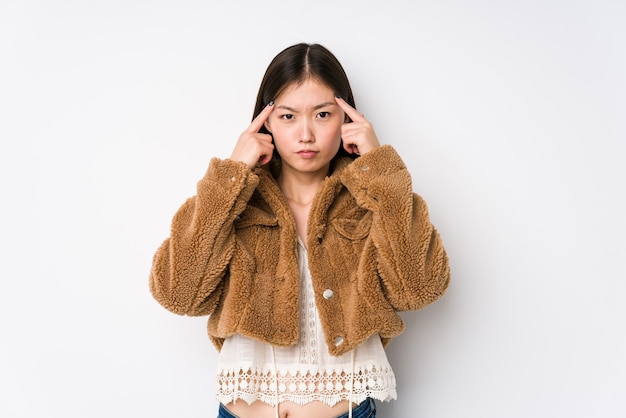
[251,370]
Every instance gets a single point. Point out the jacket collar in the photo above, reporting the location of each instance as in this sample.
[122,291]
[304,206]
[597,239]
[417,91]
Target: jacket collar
[279,209]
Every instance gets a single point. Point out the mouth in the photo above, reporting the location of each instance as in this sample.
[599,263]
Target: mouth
[306,153]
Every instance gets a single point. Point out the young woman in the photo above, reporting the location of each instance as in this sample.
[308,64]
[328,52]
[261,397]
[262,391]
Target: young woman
[301,247]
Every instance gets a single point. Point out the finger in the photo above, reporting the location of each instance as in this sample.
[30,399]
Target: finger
[260,119]
[266,150]
[350,111]
[266,158]
[351,148]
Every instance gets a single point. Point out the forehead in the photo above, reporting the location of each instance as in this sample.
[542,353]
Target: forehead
[309,89]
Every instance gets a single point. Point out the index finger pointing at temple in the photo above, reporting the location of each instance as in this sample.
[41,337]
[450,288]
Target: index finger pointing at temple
[260,119]
[350,111]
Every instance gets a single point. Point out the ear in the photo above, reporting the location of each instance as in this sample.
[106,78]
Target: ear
[267,126]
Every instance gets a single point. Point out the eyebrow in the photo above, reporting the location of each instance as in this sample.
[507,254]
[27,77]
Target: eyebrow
[319,106]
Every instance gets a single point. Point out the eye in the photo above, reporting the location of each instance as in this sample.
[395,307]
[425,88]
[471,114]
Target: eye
[323,115]
[287,116]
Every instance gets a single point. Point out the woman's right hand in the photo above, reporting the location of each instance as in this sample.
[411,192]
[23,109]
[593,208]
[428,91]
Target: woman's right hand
[254,148]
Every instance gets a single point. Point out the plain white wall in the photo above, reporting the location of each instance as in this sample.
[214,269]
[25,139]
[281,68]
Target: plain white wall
[509,114]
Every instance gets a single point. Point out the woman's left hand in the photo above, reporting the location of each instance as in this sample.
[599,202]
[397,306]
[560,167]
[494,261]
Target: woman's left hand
[358,136]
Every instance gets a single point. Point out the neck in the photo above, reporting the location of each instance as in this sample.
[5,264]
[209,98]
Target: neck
[300,189]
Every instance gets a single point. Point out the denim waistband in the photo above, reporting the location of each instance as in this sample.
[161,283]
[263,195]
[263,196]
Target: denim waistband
[366,409]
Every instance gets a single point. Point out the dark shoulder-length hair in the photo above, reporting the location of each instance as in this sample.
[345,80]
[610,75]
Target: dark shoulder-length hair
[296,64]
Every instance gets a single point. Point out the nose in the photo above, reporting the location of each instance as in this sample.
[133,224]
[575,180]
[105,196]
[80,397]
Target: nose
[306,133]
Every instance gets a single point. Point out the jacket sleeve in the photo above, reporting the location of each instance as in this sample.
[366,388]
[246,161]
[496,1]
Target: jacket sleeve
[410,257]
[188,268]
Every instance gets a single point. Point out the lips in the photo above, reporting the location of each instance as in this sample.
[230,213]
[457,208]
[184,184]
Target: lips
[307,153]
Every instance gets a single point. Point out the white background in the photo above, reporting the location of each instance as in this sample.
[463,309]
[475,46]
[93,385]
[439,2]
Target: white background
[509,114]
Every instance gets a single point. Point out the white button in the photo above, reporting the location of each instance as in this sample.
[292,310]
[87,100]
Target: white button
[327,294]
[338,341]
[364,167]
[232,178]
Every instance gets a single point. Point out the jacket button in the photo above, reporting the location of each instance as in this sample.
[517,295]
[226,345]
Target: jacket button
[327,294]
[338,341]
[364,168]
[233,178]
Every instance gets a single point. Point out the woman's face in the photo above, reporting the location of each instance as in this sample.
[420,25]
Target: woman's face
[306,126]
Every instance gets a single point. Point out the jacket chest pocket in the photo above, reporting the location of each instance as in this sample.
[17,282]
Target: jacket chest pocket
[346,246]
[352,229]
[257,240]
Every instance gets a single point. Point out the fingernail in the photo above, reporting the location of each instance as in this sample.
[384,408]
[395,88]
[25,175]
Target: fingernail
[338,96]
[271,103]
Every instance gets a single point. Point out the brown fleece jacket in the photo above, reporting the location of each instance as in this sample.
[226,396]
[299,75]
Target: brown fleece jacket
[232,254]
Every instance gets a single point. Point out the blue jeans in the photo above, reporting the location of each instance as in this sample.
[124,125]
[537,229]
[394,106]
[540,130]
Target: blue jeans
[366,409]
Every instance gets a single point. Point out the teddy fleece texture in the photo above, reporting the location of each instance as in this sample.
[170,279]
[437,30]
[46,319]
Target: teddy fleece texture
[232,253]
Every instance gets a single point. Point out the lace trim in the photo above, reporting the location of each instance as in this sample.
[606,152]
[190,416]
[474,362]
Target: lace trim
[310,327]
[302,388]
